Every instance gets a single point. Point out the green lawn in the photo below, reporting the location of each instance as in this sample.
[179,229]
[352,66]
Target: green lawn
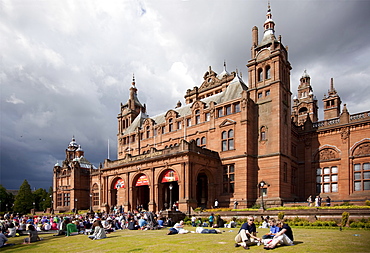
[306,240]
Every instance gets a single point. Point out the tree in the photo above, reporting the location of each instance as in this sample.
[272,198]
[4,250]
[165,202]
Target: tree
[24,199]
[40,197]
[6,199]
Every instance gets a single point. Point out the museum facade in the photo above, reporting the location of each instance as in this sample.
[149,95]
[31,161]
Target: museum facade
[231,141]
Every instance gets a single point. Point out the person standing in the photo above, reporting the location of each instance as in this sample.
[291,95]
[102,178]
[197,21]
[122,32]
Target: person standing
[216,203]
[328,201]
[247,234]
[309,200]
[236,204]
[211,219]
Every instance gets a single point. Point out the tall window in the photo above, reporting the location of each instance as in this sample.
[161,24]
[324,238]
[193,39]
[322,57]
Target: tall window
[263,133]
[259,75]
[268,72]
[327,179]
[67,199]
[228,178]
[147,131]
[203,142]
[179,124]
[96,198]
[228,109]
[188,122]
[361,175]
[198,141]
[197,117]
[236,107]
[207,116]
[220,112]
[59,199]
[163,130]
[227,140]
[170,125]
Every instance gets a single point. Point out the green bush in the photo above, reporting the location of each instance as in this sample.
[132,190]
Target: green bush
[281,215]
[345,217]
[346,204]
[367,202]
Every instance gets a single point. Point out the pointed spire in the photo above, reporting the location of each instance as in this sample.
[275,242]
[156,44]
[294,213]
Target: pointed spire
[331,84]
[224,65]
[133,79]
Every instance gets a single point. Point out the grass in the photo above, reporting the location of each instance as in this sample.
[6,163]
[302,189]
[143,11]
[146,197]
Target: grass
[306,240]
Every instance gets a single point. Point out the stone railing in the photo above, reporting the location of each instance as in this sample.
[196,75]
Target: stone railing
[359,116]
[335,121]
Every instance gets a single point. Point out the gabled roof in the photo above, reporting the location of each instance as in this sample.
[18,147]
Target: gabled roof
[233,91]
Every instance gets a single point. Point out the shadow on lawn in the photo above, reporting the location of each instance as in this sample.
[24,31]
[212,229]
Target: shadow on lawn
[297,242]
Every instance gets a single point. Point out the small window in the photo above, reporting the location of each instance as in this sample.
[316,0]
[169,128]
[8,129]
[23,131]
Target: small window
[188,122]
[267,93]
[220,112]
[237,107]
[228,109]
[259,94]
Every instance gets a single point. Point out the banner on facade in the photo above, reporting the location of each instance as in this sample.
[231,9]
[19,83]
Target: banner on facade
[119,184]
[143,180]
[170,176]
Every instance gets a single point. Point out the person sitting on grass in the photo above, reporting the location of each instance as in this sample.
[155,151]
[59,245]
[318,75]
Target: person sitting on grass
[99,231]
[283,237]
[177,229]
[273,230]
[247,234]
[3,240]
[33,235]
[71,228]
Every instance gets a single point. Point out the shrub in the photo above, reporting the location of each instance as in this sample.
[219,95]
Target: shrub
[367,202]
[281,215]
[346,204]
[345,217]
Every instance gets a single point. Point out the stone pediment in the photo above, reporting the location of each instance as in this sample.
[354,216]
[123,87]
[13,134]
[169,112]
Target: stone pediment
[227,122]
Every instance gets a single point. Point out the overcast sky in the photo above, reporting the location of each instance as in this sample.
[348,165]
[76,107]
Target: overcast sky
[67,65]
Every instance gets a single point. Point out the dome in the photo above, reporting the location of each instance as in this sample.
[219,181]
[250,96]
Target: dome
[73,143]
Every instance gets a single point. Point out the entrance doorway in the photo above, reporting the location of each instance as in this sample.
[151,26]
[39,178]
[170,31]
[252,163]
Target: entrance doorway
[202,190]
[170,194]
[142,197]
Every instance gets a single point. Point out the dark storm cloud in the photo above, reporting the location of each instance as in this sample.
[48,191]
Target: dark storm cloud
[67,65]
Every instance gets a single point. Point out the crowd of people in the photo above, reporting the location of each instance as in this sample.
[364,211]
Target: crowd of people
[97,226]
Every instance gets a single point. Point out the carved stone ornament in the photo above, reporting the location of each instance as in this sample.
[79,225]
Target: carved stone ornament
[362,150]
[344,134]
[327,154]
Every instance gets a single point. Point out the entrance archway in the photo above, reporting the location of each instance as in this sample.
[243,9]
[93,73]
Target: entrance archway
[117,184]
[169,189]
[202,190]
[142,193]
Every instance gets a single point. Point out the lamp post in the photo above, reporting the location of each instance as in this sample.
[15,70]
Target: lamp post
[6,206]
[76,210]
[91,203]
[171,187]
[260,186]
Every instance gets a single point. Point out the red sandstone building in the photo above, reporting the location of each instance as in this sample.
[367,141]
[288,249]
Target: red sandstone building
[228,138]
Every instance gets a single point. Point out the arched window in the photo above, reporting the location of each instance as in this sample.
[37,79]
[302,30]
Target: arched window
[203,142]
[263,136]
[259,75]
[227,140]
[197,117]
[268,72]
[198,141]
